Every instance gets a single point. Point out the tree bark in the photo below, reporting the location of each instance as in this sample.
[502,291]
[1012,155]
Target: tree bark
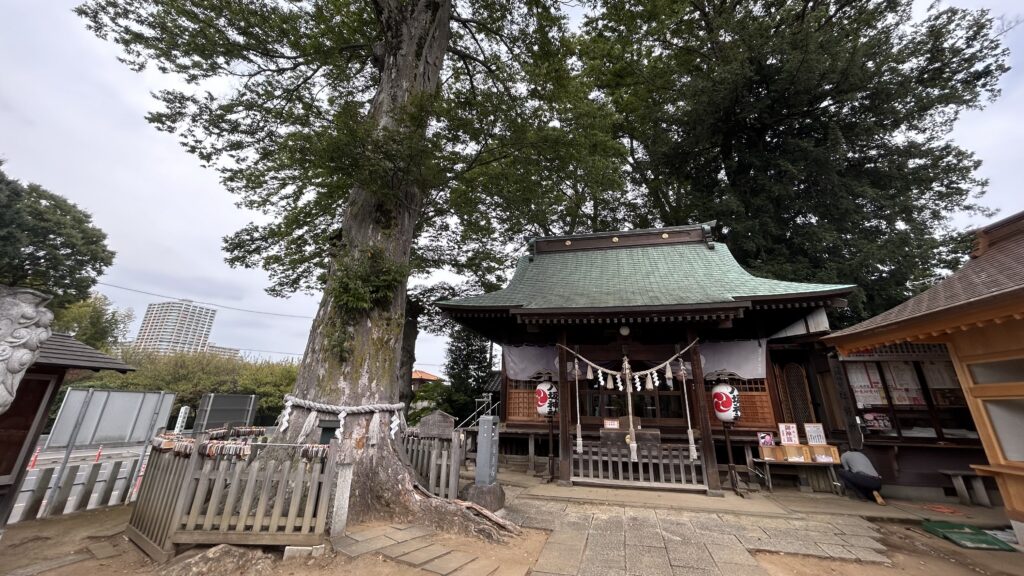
[410,57]
[411,331]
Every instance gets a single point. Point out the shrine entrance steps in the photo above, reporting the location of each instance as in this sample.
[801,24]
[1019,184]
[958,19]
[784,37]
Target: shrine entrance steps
[413,545]
[657,466]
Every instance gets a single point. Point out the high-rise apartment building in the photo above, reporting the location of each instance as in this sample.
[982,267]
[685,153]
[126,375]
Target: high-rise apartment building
[179,326]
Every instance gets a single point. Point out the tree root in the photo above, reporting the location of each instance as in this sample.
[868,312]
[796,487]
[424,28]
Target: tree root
[384,487]
[469,517]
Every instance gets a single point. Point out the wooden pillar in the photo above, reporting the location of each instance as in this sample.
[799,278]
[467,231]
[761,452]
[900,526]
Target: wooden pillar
[564,412]
[707,444]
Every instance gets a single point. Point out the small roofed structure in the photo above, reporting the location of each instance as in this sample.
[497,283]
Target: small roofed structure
[673,305]
[420,377]
[437,424]
[977,313]
[21,425]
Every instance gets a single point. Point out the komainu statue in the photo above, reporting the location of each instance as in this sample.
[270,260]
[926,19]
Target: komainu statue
[24,326]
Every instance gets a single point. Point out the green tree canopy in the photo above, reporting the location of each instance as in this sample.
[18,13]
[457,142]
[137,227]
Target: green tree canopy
[819,132]
[190,376]
[468,367]
[95,322]
[48,243]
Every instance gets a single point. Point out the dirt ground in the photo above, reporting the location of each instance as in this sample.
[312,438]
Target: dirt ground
[24,544]
[30,543]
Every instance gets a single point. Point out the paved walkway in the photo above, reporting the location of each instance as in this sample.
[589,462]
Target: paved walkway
[784,503]
[414,546]
[600,540]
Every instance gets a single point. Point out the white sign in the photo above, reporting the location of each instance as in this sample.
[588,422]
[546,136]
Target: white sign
[815,434]
[788,434]
[179,426]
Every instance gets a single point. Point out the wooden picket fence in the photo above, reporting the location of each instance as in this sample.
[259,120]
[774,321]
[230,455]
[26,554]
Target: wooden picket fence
[95,489]
[662,466]
[436,462]
[273,499]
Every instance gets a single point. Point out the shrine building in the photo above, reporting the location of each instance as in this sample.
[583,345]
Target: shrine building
[634,329]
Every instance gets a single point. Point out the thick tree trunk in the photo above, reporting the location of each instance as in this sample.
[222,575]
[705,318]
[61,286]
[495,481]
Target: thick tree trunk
[380,220]
[413,310]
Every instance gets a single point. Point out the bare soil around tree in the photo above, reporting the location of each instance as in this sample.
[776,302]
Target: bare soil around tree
[34,543]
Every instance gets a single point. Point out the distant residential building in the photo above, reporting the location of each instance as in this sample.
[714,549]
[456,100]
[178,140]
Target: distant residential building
[179,326]
[223,351]
[419,378]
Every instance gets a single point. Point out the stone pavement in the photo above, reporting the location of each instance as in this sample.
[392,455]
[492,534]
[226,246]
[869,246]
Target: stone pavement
[413,545]
[601,540]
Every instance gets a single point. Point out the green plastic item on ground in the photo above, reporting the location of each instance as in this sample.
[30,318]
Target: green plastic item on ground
[966,536]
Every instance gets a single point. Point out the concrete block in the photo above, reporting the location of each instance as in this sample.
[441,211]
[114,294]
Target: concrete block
[291,552]
[491,496]
[867,555]
[863,542]
[731,554]
[449,563]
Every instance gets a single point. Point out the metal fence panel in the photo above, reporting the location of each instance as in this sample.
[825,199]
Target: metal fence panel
[217,410]
[109,417]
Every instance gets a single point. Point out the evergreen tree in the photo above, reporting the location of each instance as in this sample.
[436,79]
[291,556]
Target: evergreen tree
[468,367]
[48,244]
[819,132]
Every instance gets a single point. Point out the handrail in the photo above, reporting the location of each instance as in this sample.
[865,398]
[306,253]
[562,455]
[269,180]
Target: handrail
[488,407]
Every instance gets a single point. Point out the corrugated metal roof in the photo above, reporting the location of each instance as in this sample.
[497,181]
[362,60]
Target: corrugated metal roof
[683,274]
[63,351]
[998,268]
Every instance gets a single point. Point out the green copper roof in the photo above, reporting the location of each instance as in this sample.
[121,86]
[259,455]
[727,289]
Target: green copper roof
[683,274]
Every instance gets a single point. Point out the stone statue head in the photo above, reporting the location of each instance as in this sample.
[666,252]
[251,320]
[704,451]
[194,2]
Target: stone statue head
[24,326]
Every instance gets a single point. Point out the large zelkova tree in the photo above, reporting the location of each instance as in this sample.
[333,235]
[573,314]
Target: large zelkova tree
[817,131]
[48,244]
[357,127]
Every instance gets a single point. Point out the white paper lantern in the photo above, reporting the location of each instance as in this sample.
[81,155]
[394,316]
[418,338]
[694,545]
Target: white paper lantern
[726,400]
[547,398]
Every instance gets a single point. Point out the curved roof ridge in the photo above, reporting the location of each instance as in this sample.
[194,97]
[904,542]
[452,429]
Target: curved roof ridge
[681,274]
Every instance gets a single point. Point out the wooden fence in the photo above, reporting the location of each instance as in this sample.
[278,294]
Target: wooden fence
[663,466]
[436,462]
[274,498]
[83,486]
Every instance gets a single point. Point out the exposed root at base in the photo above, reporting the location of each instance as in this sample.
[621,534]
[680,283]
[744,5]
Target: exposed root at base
[469,517]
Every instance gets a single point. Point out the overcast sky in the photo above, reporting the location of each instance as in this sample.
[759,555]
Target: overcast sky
[72,120]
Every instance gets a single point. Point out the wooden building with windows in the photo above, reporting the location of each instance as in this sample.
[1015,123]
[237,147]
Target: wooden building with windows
[578,308]
[976,317]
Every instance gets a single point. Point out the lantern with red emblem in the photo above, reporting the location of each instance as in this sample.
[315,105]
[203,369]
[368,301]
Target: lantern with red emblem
[726,400]
[547,398]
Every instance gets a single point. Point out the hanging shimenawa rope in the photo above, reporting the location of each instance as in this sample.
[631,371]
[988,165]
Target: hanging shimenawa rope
[626,374]
[686,402]
[397,416]
[579,427]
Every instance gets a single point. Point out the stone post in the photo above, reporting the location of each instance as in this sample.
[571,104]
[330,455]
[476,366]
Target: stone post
[486,491]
